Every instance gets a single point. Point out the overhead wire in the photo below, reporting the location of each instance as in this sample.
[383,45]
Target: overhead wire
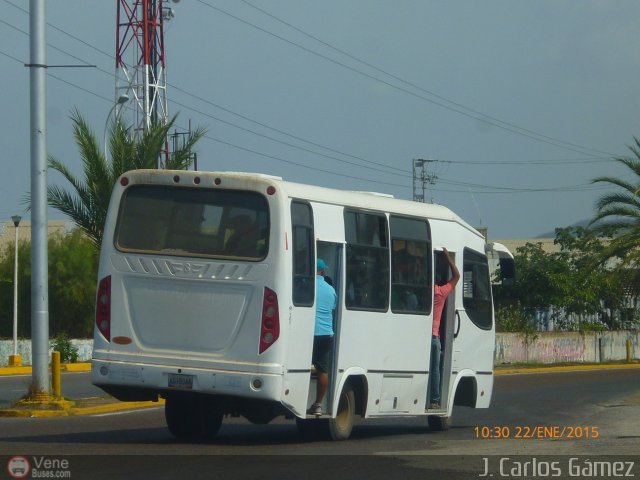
[411,84]
[389,171]
[499,189]
[244,117]
[476,116]
[290,162]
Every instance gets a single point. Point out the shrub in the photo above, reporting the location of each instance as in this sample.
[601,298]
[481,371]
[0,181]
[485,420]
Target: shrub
[68,351]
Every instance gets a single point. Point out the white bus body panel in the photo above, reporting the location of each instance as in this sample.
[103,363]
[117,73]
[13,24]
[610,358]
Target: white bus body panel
[189,316]
[197,316]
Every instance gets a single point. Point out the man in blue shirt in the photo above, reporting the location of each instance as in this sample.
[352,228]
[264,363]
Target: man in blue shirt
[326,300]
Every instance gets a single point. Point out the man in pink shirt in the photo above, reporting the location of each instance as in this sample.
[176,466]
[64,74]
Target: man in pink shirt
[440,294]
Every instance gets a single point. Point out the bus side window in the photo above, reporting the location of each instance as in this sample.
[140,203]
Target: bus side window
[477,289]
[367,266]
[303,254]
[411,265]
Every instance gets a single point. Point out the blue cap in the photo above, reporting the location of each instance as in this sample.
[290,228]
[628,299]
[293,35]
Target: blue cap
[321,265]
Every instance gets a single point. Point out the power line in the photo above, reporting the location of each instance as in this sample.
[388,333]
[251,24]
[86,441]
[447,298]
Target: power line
[390,169]
[411,84]
[457,108]
[343,52]
[395,170]
[499,189]
[524,163]
[496,188]
[224,142]
[244,117]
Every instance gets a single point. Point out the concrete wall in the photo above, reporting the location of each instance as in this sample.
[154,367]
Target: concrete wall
[85,347]
[560,347]
[548,347]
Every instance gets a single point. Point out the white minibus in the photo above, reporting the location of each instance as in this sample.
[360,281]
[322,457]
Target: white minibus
[206,298]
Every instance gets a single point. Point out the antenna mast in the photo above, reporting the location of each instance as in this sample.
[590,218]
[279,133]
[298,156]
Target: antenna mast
[140,63]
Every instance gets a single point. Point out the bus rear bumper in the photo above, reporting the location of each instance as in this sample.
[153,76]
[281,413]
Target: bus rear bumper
[137,381]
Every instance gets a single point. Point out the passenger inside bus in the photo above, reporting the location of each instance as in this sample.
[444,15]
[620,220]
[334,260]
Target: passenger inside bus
[243,242]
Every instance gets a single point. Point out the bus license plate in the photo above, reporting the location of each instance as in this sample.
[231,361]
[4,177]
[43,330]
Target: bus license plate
[177,380]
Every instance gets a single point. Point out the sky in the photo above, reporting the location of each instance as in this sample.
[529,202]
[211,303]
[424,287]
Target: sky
[520,105]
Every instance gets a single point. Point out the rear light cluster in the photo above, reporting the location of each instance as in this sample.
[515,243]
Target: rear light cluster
[103,307]
[270,326]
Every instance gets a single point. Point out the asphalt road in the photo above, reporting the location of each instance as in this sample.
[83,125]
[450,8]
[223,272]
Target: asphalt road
[601,405]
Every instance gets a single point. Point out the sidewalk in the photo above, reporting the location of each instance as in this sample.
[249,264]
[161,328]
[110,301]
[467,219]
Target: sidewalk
[106,404]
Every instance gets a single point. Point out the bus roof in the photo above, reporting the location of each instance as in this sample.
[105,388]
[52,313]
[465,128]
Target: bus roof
[374,201]
[365,200]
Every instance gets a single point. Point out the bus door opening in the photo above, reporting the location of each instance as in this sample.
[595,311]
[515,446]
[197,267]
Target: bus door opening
[448,326]
[331,254]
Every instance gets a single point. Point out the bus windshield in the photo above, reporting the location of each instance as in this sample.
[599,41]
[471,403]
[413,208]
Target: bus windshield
[193,222]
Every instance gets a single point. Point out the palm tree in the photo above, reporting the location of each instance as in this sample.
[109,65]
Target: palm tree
[88,200]
[621,209]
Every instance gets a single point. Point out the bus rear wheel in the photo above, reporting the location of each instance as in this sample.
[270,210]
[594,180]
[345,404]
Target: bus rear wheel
[180,418]
[341,426]
[191,416]
[210,419]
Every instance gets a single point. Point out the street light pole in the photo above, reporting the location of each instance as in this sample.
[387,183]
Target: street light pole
[16,360]
[122,99]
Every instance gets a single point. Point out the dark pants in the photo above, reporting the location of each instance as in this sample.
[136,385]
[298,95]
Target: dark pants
[322,349]
[434,373]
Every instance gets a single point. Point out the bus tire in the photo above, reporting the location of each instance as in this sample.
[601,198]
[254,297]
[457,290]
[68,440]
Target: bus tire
[341,426]
[211,419]
[439,424]
[180,415]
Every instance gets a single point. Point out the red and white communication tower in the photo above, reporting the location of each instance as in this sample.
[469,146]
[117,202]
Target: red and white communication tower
[140,62]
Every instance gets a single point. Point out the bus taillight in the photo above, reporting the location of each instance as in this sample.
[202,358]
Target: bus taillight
[103,307]
[270,327]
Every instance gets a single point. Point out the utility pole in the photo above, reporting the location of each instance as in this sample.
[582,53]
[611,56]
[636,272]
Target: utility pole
[39,230]
[178,140]
[422,177]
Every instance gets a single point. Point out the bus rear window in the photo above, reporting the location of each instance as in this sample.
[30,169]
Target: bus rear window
[193,222]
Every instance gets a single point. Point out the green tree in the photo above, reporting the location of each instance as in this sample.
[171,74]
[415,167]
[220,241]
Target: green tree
[88,200]
[621,210]
[24,289]
[592,287]
[540,278]
[569,282]
[72,267]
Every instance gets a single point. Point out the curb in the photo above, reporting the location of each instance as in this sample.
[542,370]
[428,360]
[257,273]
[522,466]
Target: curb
[564,368]
[65,367]
[72,410]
